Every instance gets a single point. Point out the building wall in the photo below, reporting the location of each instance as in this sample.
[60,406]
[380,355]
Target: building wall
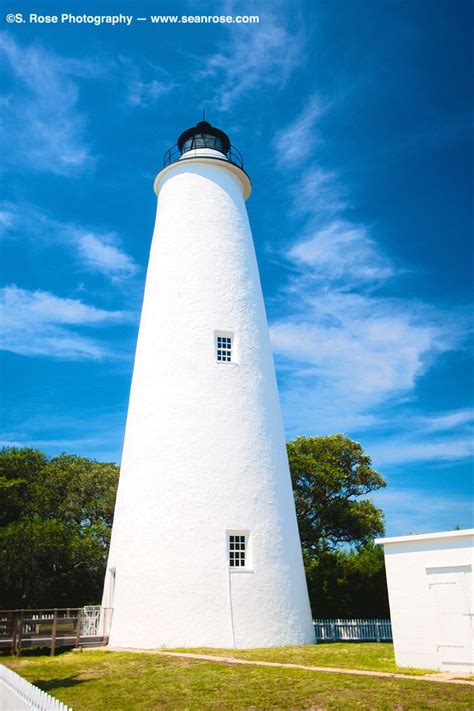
[430,593]
[204,449]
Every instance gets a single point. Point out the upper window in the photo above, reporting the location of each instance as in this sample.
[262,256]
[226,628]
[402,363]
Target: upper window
[224,349]
[237,550]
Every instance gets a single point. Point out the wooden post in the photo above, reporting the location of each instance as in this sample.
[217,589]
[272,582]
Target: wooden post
[333,631]
[377,630]
[19,633]
[53,632]
[78,629]
[14,631]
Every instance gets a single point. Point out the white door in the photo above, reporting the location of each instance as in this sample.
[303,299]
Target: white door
[451,591]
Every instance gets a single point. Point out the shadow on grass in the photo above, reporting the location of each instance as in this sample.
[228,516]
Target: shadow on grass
[35,652]
[51,684]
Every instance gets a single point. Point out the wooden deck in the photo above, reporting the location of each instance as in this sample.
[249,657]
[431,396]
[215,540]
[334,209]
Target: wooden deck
[60,627]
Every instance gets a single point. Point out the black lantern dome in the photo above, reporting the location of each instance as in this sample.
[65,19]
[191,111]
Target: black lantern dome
[203,135]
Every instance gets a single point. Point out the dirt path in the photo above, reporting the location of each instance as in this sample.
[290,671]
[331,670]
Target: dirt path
[438,677]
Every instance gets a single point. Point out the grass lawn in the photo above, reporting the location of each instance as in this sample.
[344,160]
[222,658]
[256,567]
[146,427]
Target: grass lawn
[122,681]
[378,656]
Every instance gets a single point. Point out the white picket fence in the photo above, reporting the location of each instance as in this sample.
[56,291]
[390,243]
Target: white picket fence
[353,630]
[17,694]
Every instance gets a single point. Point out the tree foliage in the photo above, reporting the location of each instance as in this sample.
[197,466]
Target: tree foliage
[56,516]
[55,522]
[329,476]
[348,584]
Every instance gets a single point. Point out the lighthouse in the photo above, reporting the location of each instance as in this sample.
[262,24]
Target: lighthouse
[205,550]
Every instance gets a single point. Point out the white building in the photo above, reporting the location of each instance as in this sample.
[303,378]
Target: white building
[430,592]
[205,548]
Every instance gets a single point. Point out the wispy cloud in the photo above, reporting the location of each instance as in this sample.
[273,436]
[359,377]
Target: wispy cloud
[346,352]
[294,143]
[100,253]
[254,55]
[40,323]
[433,438]
[144,84]
[318,193]
[446,421]
[403,450]
[344,355]
[94,250]
[413,510]
[342,252]
[42,120]
[8,219]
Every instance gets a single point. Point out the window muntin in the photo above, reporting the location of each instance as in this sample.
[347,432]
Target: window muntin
[237,550]
[224,349]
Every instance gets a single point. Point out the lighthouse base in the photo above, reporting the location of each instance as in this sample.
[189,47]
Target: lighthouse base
[194,636]
[241,611]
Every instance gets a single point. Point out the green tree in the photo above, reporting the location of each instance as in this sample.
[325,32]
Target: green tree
[56,518]
[329,474]
[18,469]
[348,584]
[55,524]
[345,571]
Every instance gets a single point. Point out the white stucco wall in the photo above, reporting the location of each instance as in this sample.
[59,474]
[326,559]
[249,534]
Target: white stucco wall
[204,449]
[430,583]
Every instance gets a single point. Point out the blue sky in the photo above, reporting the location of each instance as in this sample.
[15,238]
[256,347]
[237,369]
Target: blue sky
[354,121]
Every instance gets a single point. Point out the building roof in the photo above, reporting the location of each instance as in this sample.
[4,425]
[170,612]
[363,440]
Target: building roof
[425,536]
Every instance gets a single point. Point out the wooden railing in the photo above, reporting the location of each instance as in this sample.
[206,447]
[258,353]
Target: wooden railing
[89,627]
[58,627]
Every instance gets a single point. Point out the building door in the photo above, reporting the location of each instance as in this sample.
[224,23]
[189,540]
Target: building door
[451,591]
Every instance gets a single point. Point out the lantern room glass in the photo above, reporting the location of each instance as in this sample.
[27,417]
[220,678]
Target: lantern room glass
[204,140]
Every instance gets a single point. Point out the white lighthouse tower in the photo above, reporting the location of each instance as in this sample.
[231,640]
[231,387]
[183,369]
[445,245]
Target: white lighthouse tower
[205,550]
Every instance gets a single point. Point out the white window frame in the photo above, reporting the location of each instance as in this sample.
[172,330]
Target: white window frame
[227,349]
[248,559]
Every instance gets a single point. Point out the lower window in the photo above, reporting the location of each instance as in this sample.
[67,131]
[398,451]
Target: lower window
[237,548]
